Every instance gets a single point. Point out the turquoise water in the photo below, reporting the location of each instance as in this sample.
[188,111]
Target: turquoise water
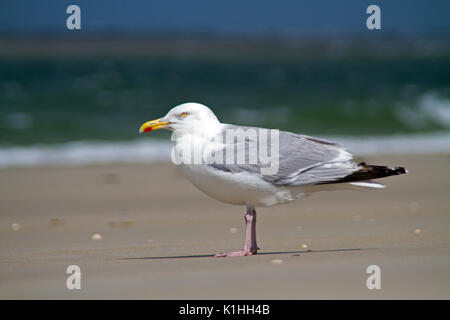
[51,100]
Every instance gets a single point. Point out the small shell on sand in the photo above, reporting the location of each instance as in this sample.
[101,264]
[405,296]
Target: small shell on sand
[96,236]
[276,261]
[233,230]
[15,226]
[417,231]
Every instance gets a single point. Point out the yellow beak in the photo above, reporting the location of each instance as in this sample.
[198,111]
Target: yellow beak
[153,125]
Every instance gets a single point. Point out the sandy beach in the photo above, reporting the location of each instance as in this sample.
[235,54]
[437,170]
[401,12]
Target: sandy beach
[144,232]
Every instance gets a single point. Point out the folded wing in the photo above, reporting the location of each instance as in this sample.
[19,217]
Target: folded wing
[302,160]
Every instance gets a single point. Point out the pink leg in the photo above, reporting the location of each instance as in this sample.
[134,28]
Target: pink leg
[254,248]
[250,236]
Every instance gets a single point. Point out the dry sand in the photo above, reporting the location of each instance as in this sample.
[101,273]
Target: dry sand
[157,234]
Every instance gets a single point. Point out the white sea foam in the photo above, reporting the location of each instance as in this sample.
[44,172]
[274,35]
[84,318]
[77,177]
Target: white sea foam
[397,144]
[147,150]
[429,109]
[84,152]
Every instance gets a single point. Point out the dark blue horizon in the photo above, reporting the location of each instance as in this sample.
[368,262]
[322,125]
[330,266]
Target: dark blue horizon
[231,17]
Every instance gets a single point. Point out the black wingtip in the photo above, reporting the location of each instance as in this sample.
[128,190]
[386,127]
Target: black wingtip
[382,171]
[369,172]
[400,170]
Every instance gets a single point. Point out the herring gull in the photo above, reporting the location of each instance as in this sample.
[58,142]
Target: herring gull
[273,167]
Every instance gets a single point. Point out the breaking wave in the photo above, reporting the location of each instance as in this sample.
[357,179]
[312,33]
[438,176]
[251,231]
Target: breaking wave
[154,150]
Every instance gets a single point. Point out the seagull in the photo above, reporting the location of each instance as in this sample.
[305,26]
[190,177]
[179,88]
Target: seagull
[301,164]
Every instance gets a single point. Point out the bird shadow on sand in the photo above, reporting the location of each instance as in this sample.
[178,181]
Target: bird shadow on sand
[293,253]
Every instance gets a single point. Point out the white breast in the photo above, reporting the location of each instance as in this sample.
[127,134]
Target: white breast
[232,188]
[235,188]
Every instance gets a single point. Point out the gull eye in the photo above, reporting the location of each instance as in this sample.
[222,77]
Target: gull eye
[183,114]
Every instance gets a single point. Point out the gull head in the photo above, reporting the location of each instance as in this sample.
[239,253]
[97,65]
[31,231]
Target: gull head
[186,118]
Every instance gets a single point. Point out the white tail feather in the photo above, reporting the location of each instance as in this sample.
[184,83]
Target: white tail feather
[368,184]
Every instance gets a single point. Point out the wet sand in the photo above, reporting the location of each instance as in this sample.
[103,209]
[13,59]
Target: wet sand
[158,233]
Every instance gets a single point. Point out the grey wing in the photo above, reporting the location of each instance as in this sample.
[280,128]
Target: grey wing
[302,160]
[310,160]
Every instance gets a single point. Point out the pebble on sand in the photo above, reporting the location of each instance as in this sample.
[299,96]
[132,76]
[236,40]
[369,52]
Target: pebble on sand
[417,231]
[304,246]
[276,261]
[121,224]
[56,222]
[233,230]
[15,227]
[96,236]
